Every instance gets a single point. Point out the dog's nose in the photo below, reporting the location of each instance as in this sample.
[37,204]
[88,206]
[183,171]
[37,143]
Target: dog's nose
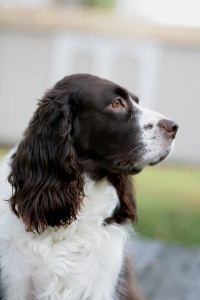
[169,126]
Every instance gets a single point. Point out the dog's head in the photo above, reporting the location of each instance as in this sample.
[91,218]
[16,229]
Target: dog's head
[113,133]
[84,124]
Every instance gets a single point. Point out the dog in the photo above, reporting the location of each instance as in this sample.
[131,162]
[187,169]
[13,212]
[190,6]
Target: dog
[66,192]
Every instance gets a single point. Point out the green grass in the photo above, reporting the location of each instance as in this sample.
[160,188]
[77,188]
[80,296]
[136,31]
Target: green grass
[105,4]
[168,199]
[3,152]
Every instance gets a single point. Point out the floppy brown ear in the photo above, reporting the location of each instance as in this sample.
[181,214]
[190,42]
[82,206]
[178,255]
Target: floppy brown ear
[125,191]
[45,176]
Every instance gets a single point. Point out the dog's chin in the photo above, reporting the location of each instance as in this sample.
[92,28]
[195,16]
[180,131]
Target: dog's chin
[136,170]
[155,160]
[159,160]
[161,157]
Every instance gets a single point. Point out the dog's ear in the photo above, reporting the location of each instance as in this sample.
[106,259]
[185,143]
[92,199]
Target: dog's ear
[46,177]
[127,208]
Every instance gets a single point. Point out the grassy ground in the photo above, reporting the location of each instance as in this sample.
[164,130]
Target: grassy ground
[3,152]
[168,200]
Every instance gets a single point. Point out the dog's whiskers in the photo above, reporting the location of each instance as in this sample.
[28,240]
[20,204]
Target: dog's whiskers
[135,149]
[140,151]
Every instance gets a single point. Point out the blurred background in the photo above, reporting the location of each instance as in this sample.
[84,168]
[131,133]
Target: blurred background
[151,47]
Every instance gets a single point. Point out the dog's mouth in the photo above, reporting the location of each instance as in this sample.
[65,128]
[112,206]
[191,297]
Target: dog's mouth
[162,157]
[154,158]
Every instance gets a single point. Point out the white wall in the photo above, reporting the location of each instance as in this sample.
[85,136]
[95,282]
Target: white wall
[24,68]
[178,96]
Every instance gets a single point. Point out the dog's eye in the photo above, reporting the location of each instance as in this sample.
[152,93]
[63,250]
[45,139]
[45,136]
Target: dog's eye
[117,103]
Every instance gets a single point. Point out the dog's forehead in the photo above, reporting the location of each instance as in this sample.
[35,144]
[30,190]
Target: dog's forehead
[109,88]
[134,99]
[105,90]
[102,85]
[95,91]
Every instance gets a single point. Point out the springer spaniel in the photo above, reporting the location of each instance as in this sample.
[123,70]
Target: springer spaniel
[69,192]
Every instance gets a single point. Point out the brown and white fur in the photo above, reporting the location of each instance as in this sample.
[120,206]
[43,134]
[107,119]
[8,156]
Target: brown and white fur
[66,192]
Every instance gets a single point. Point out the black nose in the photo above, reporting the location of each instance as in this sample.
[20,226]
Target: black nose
[169,126]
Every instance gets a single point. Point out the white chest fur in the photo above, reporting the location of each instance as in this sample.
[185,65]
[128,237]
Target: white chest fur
[79,262]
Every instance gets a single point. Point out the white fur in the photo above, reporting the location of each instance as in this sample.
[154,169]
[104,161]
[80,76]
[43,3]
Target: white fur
[155,143]
[79,262]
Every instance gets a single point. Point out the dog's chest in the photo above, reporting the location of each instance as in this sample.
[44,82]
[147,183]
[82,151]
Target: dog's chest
[86,257]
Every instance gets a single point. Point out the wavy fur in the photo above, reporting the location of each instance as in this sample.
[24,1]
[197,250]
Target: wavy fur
[46,178]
